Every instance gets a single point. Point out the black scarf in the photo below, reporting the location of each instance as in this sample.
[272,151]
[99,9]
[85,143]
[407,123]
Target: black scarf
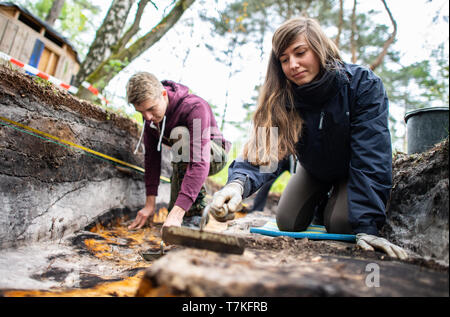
[319,91]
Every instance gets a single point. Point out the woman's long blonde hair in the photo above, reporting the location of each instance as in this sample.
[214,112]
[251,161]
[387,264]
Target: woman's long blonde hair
[276,99]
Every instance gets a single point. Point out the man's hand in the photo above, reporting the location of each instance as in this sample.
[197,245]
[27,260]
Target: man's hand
[370,243]
[141,217]
[226,202]
[175,217]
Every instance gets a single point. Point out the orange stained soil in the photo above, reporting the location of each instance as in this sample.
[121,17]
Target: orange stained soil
[121,246]
[117,238]
[124,288]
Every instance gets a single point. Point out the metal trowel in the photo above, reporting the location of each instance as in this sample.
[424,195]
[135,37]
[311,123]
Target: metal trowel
[202,239]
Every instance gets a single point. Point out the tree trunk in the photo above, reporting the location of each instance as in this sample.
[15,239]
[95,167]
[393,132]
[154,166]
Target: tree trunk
[55,11]
[341,23]
[134,28]
[107,35]
[103,74]
[389,41]
[231,51]
[353,34]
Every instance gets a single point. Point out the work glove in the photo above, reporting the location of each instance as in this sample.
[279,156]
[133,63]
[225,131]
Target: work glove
[370,243]
[227,201]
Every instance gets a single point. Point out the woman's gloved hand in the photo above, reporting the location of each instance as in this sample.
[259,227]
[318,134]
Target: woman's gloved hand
[370,243]
[227,201]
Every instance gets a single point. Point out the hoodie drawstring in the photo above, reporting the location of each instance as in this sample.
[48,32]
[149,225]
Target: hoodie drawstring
[140,138]
[160,136]
[162,133]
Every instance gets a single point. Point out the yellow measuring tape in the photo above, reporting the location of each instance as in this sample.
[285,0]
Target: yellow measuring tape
[140,169]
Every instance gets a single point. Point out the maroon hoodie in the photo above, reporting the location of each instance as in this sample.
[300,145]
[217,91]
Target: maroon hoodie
[182,110]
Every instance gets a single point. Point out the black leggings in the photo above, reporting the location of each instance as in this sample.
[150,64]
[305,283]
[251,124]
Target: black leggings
[302,196]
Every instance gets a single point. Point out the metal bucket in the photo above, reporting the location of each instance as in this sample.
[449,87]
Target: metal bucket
[425,127]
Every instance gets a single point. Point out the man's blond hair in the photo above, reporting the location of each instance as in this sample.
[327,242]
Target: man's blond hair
[142,86]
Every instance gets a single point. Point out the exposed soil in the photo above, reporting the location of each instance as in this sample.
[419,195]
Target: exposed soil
[49,189]
[110,257]
[108,240]
[418,210]
[93,287]
[14,83]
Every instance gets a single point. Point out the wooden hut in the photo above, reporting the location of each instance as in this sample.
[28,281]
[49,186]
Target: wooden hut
[29,39]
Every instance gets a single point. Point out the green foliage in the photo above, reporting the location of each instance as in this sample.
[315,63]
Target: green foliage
[137,116]
[280,184]
[116,65]
[45,84]
[75,22]
[437,83]
[222,177]
[41,8]
[428,80]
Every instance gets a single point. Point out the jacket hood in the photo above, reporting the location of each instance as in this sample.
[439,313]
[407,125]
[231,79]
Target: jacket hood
[176,92]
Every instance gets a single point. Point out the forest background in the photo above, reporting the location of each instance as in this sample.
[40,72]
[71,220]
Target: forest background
[220,48]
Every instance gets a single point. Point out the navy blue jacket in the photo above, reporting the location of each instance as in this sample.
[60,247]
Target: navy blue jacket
[345,136]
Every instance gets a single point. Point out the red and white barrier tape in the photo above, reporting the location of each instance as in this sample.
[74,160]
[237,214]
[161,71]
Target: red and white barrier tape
[94,90]
[54,80]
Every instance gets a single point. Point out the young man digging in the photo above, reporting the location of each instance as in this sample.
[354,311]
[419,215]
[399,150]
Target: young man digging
[184,122]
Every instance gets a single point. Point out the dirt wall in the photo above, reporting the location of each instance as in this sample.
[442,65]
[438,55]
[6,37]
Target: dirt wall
[418,210]
[48,190]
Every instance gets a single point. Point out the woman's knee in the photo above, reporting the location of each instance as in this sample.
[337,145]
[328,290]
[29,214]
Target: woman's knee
[338,224]
[336,211]
[285,221]
[297,203]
